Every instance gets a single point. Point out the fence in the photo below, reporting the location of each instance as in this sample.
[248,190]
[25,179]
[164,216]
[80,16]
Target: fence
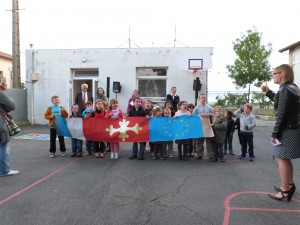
[20,99]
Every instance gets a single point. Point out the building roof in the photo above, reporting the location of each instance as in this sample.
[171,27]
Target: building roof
[292,46]
[5,56]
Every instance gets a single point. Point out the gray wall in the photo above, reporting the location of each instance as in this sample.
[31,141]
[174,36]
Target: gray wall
[20,98]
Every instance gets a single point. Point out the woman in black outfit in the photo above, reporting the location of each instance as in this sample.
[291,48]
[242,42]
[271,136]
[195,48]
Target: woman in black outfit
[286,132]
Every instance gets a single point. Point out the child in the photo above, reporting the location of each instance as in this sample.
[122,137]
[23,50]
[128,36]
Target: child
[247,123]
[167,113]
[159,146]
[148,110]
[190,108]
[76,143]
[229,132]
[169,105]
[205,111]
[51,113]
[99,112]
[219,128]
[90,145]
[114,112]
[88,105]
[182,110]
[137,110]
[148,107]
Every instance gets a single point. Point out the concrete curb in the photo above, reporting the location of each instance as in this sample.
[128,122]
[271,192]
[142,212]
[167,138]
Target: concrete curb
[268,118]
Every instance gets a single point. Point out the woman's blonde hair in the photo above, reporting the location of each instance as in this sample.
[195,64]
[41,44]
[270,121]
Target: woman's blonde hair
[287,72]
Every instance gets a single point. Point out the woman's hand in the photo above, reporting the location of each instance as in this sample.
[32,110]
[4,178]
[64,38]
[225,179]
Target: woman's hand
[265,88]
[273,140]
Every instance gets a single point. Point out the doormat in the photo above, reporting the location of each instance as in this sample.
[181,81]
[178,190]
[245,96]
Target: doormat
[35,137]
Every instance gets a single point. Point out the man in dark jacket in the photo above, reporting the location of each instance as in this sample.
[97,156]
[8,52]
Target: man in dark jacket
[174,98]
[83,97]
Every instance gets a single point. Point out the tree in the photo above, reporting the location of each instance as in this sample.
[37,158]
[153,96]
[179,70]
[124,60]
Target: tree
[252,65]
[231,100]
[261,99]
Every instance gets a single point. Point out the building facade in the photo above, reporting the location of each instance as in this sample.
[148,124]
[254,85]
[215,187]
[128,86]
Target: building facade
[294,59]
[153,71]
[6,68]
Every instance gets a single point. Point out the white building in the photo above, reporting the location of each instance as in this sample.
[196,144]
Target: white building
[153,71]
[294,59]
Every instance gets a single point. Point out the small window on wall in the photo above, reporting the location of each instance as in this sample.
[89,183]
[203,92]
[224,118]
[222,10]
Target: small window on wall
[152,82]
[86,73]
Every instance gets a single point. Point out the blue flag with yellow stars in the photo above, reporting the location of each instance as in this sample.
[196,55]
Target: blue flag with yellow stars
[169,128]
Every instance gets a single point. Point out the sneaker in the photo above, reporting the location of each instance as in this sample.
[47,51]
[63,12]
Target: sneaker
[73,154]
[133,157]
[79,154]
[251,159]
[12,172]
[112,155]
[221,160]
[141,157]
[231,153]
[97,155]
[241,156]
[63,154]
[116,155]
[52,155]
[154,158]
[101,155]
[171,156]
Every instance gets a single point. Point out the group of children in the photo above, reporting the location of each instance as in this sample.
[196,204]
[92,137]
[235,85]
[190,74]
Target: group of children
[223,127]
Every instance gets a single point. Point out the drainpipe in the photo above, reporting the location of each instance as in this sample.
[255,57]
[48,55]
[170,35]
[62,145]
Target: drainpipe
[32,88]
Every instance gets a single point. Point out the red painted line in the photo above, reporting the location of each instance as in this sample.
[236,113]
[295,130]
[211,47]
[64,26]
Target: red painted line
[265,209]
[230,197]
[37,182]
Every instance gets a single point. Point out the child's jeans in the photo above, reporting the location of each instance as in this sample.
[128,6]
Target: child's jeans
[247,139]
[135,148]
[169,148]
[99,146]
[61,140]
[76,145]
[217,150]
[90,146]
[228,141]
[161,149]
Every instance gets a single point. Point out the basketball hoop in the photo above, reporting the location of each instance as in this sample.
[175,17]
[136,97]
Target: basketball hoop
[196,68]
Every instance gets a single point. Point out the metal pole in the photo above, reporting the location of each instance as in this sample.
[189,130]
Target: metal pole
[16,45]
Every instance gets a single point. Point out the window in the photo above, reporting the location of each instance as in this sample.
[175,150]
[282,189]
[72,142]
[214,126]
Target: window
[152,82]
[86,73]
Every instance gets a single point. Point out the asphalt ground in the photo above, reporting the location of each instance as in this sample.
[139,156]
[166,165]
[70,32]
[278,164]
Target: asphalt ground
[89,190]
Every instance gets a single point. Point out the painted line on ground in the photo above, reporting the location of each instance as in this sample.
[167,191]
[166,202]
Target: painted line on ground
[230,197]
[37,182]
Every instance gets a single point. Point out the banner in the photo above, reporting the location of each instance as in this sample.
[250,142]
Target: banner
[133,129]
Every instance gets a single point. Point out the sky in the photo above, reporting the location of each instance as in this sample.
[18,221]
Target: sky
[65,24]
